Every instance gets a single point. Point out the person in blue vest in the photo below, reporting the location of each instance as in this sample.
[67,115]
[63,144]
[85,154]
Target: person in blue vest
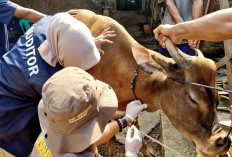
[47,47]
[7,10]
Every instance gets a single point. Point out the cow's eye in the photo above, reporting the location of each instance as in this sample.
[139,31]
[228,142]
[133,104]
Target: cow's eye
[193,101]
[204,126]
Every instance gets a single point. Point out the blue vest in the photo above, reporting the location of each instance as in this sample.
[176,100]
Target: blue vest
[7,10]
[22,75]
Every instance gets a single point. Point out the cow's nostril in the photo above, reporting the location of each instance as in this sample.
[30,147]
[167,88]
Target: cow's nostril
[222,141]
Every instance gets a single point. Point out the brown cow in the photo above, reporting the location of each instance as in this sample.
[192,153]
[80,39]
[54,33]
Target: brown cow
[191,109]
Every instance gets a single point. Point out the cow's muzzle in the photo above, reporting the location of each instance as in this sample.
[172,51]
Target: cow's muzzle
[223,141]
[217,144]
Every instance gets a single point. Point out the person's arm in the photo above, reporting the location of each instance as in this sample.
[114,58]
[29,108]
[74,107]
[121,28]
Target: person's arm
[173,11]
[28,14]
[197,11]
[216,26]
[118,114]
[132,111]
[111,129]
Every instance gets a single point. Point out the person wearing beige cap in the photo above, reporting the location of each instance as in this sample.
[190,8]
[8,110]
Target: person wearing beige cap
[48,46]
[74,115]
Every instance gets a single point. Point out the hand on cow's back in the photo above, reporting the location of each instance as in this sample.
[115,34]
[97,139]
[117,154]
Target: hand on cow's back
[103,38]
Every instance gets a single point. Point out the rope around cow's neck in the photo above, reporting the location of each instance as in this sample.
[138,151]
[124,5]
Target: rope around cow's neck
[133,82]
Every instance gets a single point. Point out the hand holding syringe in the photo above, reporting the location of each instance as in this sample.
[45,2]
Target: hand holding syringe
[133,142]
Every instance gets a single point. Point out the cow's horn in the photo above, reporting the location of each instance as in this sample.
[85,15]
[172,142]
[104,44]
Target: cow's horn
[199,53]
[183,60]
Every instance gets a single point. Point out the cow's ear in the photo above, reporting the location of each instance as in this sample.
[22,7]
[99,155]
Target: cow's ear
[151,62]
[144,59]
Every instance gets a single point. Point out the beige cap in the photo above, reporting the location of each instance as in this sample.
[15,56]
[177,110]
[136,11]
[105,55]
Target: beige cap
[75,109]
[70,43]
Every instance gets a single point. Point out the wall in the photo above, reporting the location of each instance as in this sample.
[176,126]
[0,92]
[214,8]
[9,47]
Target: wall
[131,20]
[54,6]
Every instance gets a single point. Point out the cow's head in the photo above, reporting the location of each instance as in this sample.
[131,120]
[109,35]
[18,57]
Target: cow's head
[191,109]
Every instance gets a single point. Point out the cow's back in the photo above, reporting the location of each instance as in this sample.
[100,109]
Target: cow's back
[117,64]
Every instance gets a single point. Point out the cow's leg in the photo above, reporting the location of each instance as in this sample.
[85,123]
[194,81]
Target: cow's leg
[144,146]
[110,145]
[122,106]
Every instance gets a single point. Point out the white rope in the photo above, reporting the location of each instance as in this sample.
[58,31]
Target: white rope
[154,140]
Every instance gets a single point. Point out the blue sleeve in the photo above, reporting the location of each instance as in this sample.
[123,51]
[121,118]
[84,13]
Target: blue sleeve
[7,10]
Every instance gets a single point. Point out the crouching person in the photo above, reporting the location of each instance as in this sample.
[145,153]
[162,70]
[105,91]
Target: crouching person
[47,47]
[74,112]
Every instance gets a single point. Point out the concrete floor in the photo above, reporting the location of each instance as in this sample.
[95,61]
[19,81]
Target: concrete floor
[172,138]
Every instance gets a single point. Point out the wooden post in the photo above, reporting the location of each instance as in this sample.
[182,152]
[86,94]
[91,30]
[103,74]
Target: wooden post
[156,11]
[224,60]
[210,6]
[228,50]
[152,16]
[209,9]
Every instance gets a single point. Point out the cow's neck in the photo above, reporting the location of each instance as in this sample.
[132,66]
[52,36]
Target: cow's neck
[149,88]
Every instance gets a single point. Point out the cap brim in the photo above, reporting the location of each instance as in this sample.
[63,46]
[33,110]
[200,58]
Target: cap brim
[42,118]
[88,134]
